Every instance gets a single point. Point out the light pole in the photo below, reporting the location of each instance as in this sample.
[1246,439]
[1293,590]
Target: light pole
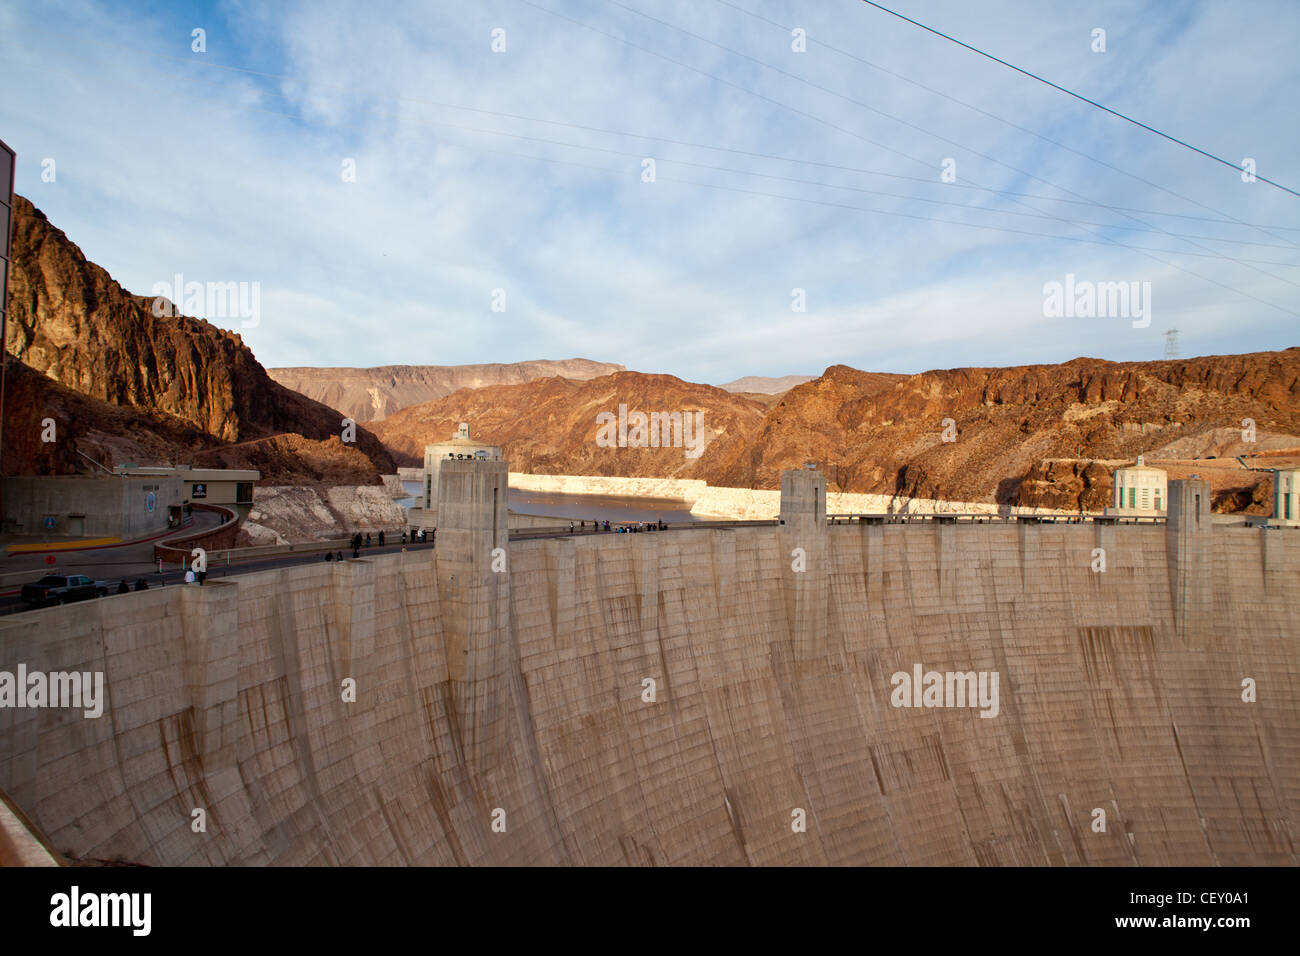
[7,166]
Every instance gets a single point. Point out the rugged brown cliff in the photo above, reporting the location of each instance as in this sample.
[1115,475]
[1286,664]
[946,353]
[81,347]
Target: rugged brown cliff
[71,322]
[1043,435]
[372,394]
[549,426]
[886,435]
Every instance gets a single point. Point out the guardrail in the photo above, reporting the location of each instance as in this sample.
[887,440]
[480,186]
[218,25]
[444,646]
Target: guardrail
[178,548]
[976,518]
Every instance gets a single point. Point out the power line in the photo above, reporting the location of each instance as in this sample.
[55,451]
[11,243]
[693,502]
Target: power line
[1102,241]
[849,132]
[929,181]
[824,185]
[1024,129]
[873,109]
[1077,96]
[863,209]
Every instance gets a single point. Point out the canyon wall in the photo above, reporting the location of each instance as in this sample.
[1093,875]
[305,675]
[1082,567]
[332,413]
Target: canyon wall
[504,717]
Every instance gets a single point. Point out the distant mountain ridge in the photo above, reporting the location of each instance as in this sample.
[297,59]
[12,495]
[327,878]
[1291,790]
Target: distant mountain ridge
[372,394]
[766,384]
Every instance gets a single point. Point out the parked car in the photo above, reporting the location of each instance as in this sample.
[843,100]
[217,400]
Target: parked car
[63,589]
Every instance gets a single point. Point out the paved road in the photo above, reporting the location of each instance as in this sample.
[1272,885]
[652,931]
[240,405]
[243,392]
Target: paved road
[129,566]
[113,562]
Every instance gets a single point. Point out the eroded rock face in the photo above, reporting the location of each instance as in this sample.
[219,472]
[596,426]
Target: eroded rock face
[71,322]
[549,426]
[1067,485]
[1012,429]
[885,435]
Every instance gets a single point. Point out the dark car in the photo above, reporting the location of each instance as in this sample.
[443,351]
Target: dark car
[63,589]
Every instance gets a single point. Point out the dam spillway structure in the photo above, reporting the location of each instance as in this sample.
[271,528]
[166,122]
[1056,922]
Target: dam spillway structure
[689,697]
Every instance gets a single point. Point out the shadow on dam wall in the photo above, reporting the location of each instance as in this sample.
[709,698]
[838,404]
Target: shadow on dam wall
[503,717]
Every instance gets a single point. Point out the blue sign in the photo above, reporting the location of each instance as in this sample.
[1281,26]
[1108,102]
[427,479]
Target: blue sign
[150,502]
[50,522]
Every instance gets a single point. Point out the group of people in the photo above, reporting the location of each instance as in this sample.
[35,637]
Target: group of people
[625,528]
[140,585]
[359,541]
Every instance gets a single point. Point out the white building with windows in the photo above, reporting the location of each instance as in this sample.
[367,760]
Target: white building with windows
[1140,490]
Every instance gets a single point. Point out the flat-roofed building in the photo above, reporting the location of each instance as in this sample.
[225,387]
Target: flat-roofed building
[231,487]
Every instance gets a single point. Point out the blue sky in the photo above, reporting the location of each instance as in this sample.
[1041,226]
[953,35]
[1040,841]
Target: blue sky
[227,166]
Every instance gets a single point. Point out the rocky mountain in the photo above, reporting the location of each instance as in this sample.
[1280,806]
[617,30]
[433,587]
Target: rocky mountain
[73,324]
[766,385]
[886,434]
[549,426]
[372,394]
[1043,435]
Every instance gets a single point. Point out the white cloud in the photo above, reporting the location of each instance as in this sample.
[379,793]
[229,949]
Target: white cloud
[168,164]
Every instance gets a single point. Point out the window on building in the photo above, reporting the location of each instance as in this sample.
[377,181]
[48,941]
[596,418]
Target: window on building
[1132,497]
[1157,499]
[243,492]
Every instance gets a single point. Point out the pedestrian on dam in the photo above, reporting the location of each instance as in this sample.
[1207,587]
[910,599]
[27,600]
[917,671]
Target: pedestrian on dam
[570,527]
[381,539]
[329,555]
[339,556]
[356,552]
[367,539]
[403,537]
[141,584]
[189,576]
[123,588]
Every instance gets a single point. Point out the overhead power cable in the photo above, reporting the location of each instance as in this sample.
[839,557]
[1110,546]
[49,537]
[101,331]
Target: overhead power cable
[929,181]
[862,209]
[1080,97]
[849,132]
[825,185]
[1024,129]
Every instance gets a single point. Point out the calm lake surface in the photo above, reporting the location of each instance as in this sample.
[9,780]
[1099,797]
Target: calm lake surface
[598,507]
[581,507]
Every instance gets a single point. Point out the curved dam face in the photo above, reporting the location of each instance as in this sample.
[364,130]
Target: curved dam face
[505,716]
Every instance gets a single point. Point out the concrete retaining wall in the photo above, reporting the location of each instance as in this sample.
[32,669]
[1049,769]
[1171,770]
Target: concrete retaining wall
[111,506]
[1115,693]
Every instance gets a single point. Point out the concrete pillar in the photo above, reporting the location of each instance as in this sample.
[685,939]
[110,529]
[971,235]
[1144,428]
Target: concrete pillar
[806,591]
[475,600]
[1189,547]
[210,624]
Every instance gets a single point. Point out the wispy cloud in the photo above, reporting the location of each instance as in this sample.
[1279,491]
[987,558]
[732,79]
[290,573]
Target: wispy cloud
[230,165]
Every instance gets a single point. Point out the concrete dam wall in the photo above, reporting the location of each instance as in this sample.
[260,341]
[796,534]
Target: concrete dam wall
[503,716]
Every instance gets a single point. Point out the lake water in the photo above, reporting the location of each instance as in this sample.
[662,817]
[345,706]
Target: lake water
[599,507]
[580,507]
